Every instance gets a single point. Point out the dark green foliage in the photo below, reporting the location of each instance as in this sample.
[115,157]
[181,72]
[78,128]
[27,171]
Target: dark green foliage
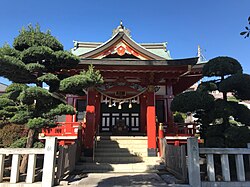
[238,84]
[11,108]
[49,79]
[15,70]
[208,86]
[93,76]
[16,87]
[73,84]
[66,60]
[192,101]
[221,66]
[247,31]
[61,110]
[38,54]
[35,94]
[34,37]
[19,143]
[7,50]
[4,114]
[237,136]
[7,107]
[215,141]
[37,123]
[37,58]
[4,102]
[35,68]
[34,54]
[222,121]
[21,117]
[241,113]
[215,136]
[77,83]
[52,80]
[14,90]
[38,145]
[222,109]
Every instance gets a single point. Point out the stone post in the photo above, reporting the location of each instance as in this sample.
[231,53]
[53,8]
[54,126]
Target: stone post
[49,162]
[161,137]
[193,162]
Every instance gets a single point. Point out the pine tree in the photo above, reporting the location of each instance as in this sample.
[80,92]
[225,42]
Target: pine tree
[222,121]
[38,58]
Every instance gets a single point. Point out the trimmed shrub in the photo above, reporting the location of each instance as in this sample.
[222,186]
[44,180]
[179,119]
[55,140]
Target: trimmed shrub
[10,133]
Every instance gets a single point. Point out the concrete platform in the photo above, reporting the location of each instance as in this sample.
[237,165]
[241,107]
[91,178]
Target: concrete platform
[124,180]
[118,179]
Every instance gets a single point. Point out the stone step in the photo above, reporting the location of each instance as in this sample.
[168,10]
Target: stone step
[124,144]
[117,160]
[121,150]
[117,138]
[107,167]
[120,154]
[114,160]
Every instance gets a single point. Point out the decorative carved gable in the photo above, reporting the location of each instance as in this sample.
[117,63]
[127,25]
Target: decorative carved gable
[123,46]
[121,49]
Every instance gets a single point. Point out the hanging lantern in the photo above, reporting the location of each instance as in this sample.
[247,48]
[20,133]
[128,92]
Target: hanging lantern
[130,104]
[120,106]
[110,103]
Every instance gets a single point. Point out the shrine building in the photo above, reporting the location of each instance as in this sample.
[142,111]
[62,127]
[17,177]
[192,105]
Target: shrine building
[140,81]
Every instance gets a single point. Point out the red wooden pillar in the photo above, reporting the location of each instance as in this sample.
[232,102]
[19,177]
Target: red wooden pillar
[170,96]
[90,123]
[151,125]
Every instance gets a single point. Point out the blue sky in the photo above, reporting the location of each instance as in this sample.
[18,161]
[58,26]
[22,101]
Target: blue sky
[214,25]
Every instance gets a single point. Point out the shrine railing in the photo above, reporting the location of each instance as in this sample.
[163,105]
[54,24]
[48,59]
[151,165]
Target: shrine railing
[180,129]
[225,167]
[12,178]
[63,129]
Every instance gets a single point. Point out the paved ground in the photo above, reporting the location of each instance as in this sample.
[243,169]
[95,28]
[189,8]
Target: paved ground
[122,180]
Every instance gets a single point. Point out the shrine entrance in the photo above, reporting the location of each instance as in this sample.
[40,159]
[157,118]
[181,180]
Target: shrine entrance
[127,118]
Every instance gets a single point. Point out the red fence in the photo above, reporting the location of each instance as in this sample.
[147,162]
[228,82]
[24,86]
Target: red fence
[66,132]
[180,129]
[63,129]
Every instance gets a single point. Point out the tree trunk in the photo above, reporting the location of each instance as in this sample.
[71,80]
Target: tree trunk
[224,93]
[29,144]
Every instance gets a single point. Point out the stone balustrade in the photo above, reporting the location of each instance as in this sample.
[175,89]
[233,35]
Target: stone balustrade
[194,153]
[49,153]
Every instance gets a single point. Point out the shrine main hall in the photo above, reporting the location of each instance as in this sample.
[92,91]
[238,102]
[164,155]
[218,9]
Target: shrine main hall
[140,81]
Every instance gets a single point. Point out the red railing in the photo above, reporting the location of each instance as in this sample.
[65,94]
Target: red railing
[64,129]
[175,134]
[180,129]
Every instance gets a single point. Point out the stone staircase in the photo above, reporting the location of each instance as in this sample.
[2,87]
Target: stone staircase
[120,154]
